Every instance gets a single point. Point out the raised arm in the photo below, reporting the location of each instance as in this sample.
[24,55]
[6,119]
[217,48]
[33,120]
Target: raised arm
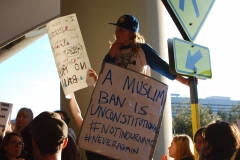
[6,129]
[76,112]
[162,67]
[183,80]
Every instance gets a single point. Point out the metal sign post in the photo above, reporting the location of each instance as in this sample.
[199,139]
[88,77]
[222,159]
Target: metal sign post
[194,105]
[186,58]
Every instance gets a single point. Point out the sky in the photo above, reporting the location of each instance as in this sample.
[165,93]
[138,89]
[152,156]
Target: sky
[26,78]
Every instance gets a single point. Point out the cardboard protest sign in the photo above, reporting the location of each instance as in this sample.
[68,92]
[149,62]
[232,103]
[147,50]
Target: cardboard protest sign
[69,53]
[5,113]
[124,116]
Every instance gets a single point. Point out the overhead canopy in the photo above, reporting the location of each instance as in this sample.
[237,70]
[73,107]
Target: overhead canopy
[21,17]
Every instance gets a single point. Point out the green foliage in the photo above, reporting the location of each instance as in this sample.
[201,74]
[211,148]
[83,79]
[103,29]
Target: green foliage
[230,116]
[182,121]
[206,115]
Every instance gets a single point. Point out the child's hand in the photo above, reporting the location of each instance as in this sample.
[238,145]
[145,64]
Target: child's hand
[187,82]
[114,48]
[164,157]
[93,74]
[92,77]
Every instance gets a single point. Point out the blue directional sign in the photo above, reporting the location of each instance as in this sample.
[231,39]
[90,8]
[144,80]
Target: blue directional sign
[189,59]
[189,15]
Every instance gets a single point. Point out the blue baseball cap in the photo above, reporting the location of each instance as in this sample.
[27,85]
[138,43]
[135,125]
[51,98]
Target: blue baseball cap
[128,22]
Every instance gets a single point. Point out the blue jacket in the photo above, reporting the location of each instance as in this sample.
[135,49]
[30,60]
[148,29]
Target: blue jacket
[153,60]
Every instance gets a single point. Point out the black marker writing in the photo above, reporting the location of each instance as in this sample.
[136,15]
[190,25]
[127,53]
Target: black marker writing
[5,104]
[2,116]
[4,109]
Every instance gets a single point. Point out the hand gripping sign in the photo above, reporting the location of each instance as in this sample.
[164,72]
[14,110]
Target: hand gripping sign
[124,115]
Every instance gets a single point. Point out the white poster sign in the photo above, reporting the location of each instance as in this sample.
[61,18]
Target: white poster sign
[124,116]
[69,53]
[5,113]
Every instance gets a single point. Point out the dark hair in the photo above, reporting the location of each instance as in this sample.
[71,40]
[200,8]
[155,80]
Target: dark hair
[199,131]
[49,146]
[6,140]
[223,140]
[71,151]
[66,118]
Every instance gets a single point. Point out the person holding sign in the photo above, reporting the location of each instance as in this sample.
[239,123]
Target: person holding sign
[24,117]
[130,51]
[181,148]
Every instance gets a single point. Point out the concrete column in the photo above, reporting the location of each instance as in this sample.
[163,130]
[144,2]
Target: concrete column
[159,43]
[93,18]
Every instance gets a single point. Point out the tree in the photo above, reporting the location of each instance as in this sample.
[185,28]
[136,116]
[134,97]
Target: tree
[206,115]
[230,116]
[223,114]
[182,121]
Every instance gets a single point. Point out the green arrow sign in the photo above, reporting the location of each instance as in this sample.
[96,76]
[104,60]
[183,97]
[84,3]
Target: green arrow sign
[189,15]
[187,58]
